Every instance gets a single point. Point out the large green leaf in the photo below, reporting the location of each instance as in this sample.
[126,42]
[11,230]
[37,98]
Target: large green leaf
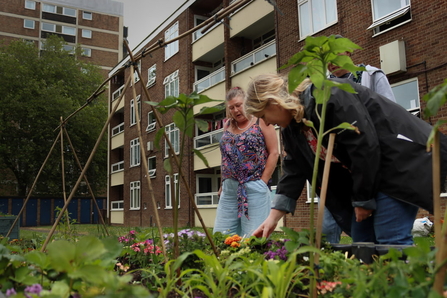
[62,255]
[88,249]
[202,157]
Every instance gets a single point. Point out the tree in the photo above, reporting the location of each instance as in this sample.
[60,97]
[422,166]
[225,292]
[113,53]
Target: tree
[37,89]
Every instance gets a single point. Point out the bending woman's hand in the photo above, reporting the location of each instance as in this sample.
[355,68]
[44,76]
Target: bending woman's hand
[269,225]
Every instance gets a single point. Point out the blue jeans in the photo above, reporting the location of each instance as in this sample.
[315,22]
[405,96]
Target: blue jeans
[391,223]
[330,227]
[259,202]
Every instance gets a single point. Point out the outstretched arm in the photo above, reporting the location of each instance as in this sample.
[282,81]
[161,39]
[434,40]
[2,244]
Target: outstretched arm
[269,225]
[271,142]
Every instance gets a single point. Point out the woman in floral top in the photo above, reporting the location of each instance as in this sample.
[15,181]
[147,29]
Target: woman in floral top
[249,155]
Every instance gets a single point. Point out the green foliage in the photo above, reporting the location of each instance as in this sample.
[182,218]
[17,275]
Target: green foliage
[38,88]
[436,98]
[84,267]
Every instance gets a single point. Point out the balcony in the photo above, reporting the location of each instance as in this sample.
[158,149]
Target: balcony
[117,139]
[210,80]
[210,46]
[209,199]
[117,174]
[208,139]
[246,23]
[117,93]
[255,57]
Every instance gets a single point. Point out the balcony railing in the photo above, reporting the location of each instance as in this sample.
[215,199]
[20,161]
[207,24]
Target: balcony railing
[254,57]
[207,199]
[117,167]
[118,129]
[117,93]
[208,138]
[210,80]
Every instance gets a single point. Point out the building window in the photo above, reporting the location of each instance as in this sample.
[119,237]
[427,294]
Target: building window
[172,48]
[207,188]
[197,21]
[29,24]
[69,12]
[86,33]
[48,27]
[173,135]
[151,75]
[407,95]
[309,193]
[117,206]
[151,121]
[30,4]
[49,8]
[86,15]
[152,166]
[133,115]
[69,48]
[86,52]
[135,73]
[69,30]
[135,197]
[134,152]
[388,14]
[315,15]
[168,196]
[171,83]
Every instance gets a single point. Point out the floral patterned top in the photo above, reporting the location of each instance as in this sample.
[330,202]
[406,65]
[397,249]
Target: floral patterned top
[244,157]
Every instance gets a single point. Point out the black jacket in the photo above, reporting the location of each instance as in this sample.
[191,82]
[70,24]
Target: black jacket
[388,156]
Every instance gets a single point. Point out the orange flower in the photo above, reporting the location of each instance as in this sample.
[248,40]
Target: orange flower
[231,239]
[235,244]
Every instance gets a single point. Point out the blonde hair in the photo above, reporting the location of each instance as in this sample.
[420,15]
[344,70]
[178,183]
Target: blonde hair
[273,87]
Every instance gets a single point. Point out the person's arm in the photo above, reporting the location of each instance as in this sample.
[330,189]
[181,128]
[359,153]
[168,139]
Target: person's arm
[382,86]
[271,143]
[269,225]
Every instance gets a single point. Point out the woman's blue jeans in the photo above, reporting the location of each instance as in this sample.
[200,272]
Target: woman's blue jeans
[391,223]
[259,203]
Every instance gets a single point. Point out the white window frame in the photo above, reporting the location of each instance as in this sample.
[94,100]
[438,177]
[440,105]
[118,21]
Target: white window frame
[135,152]
[135,195]
[53,29]
[197,34]
[25,21]
[86,33]
[30,4]
[69,30]
[151,75]
[49,8]
[117,206]
[86,52]
[151,121]
[136,77]
[414,104]
[379,20]
[168,196]
[66,11]
[310,13]
[214,190]
[172,48]
[133,115]
[172,83]
[173,134]
[152,169]
[87,15]
[309,189]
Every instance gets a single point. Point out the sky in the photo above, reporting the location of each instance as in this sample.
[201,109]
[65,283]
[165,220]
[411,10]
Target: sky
[143,16]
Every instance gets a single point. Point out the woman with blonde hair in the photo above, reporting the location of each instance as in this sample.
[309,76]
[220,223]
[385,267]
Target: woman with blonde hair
[379,176]
[249,151]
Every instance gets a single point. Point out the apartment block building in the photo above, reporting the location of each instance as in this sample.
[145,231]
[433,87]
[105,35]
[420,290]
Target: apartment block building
[97,26]
[403,37]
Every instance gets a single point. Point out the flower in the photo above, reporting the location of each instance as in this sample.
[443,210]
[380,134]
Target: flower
[10,292]
[327,286]
[233,239]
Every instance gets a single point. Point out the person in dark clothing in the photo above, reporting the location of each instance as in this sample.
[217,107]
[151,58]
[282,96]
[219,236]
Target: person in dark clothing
[379,177]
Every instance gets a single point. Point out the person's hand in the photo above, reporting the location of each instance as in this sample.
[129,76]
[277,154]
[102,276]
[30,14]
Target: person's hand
[269,225]
[362,213]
